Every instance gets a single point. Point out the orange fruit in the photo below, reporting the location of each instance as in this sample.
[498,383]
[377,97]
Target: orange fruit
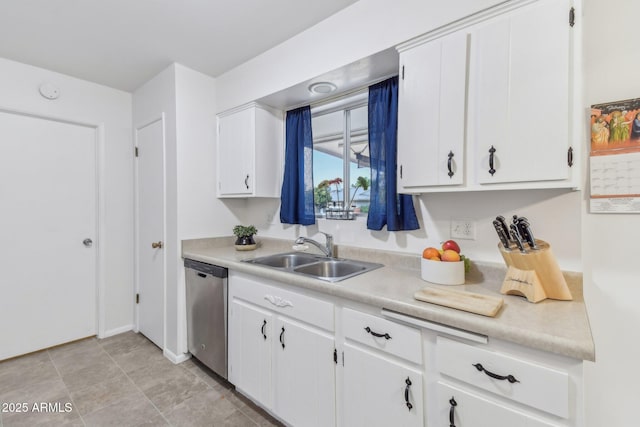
[430,252]
[450,255]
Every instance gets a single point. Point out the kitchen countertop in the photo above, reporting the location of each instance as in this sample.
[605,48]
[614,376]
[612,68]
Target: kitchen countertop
[560,327]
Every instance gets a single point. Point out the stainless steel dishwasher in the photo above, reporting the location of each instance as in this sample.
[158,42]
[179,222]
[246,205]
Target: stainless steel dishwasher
[207,314]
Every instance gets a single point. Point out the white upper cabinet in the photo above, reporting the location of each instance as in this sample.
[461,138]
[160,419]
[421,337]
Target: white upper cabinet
[250,152]
[520,95]
[431,113]
[488,102]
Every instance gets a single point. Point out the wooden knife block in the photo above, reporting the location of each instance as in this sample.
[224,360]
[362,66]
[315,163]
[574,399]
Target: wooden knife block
[534,274]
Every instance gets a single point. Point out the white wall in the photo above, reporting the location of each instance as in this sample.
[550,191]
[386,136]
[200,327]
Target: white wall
[200,213]
[349,36]
[94,104]
[611,278]
[362,29]
[187,99]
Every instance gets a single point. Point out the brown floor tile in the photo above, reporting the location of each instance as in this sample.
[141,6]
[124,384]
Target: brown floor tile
[131,411]
[88,347]
[120,381]
[125,343]
[47,403]
[30,369]
[201,410]
[167,394]
[238,419]
[94,373]
[138,357]
[97,396]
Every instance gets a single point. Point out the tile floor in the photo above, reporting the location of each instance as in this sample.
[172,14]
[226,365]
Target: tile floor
[119,381]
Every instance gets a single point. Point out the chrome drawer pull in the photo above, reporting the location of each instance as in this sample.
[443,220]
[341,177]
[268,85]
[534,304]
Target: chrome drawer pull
[375,334]
[509,378]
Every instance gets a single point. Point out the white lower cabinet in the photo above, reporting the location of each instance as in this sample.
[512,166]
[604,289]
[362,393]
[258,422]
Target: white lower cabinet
[380,391]
[460,408]
[382,372]
[250,348]
[314,360]
[281,351]
[304,374]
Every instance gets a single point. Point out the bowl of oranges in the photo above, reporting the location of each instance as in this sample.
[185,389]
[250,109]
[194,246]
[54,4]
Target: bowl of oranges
[445,266]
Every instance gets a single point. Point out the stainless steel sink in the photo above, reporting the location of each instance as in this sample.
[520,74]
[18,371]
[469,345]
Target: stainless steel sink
[319,267]
[286,261]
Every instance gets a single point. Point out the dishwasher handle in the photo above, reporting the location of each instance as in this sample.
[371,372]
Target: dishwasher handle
[202,267]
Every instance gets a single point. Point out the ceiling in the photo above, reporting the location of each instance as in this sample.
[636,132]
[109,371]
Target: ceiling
[123,43]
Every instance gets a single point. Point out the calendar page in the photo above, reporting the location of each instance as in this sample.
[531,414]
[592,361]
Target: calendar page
[614,163]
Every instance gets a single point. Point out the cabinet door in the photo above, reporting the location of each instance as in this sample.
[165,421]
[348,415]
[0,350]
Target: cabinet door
[376,389]
[250,344]
[431,113]
[459,408]
[304,374]
[236,133]
[520,94]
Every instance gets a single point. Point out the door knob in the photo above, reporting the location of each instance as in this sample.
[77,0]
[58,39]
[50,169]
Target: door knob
[156,245]
[87,242]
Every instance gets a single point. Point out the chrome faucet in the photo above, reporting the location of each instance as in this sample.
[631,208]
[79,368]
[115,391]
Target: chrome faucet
[327,249]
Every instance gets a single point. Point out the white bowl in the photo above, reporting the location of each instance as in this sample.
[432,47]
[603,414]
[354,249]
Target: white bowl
[443,272]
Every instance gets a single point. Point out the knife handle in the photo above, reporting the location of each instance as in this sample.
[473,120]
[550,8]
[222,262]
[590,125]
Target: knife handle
[515,236]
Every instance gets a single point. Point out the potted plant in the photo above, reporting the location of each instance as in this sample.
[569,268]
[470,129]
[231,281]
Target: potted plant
[361,182]
[244,234]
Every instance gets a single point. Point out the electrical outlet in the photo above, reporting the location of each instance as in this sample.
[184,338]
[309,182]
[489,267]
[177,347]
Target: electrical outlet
[463,229]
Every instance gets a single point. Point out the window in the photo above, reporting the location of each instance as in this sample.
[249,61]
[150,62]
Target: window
[341,173]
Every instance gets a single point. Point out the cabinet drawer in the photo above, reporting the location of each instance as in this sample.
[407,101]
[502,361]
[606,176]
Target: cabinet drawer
[531,384]
[460,408]
[393,338]
[295,305]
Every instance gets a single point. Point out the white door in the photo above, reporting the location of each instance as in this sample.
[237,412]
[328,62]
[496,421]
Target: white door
[150,231]
[48,208]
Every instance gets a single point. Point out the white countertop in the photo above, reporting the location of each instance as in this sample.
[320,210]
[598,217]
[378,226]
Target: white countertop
[560,327]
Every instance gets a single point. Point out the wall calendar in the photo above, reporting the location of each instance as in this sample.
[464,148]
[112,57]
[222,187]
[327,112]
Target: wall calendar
[614,162]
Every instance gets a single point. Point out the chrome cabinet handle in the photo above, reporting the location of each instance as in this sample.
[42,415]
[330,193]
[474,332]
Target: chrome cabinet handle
[246,181]
[282,337]
[262,329]
[87,242]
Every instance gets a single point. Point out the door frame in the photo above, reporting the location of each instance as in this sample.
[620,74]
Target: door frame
[136,129]
[100,225]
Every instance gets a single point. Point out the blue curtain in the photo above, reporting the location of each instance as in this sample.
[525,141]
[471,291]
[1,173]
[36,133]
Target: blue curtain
[296,198]
[387,207]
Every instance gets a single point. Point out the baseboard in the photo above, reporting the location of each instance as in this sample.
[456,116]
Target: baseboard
[116,331]
[176,358]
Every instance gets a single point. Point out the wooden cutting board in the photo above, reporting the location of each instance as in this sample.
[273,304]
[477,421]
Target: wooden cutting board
[485,305]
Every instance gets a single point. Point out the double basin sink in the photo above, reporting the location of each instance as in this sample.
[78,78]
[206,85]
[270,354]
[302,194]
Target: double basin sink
[316,266]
